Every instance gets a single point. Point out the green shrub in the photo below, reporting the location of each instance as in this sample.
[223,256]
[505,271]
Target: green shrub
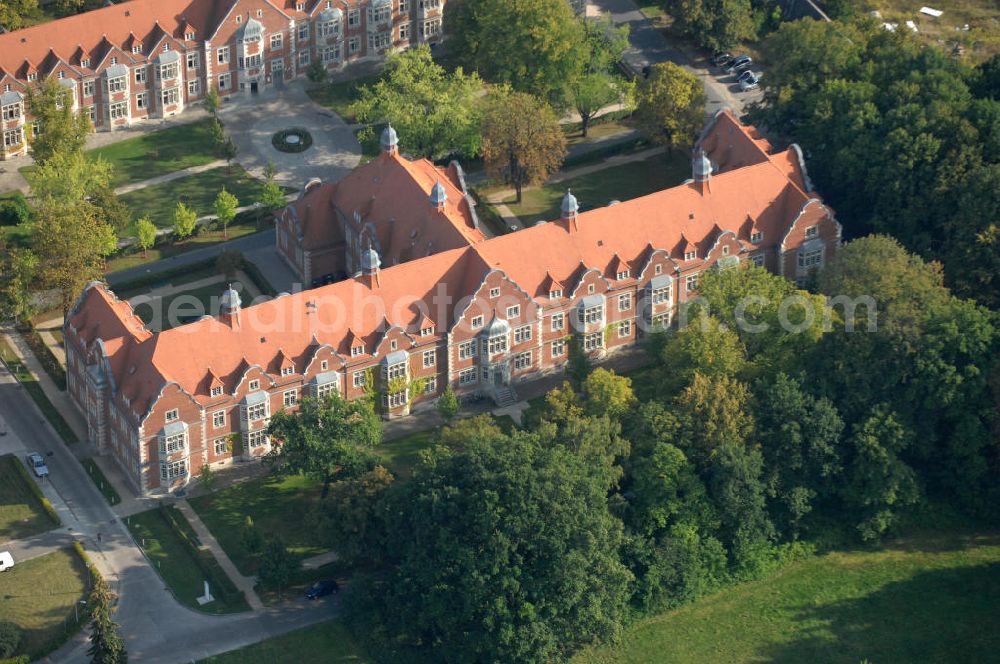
[14,210]
[10,638]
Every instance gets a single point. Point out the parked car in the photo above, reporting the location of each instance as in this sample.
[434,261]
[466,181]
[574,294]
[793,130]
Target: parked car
[37,464]
[746,73]
[322,588]
[6,561]
[721,58]
[750,82]
[739,63]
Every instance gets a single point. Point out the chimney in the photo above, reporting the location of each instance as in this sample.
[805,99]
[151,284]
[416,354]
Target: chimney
[229,308]
[569,208]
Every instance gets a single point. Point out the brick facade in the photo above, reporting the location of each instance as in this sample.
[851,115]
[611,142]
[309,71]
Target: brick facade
[482,316]
[152,58]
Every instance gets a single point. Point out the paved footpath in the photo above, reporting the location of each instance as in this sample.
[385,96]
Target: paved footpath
[168,177]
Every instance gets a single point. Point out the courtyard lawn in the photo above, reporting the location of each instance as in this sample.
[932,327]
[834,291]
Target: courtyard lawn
[338,97]
[278,506]
[324,643]
[169,250]
[168,311]
[402,454]
[21,513]
[198,192]
[597,189]
[159,152]
[925,598]
[38,595]
[176,563]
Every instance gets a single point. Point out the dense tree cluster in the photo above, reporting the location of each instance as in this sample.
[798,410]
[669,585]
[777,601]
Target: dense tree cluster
[900,138]
[759,430]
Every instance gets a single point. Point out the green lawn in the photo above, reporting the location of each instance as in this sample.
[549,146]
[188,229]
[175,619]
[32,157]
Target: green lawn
[597,189]
[175,562]
[168,250]
[198,191]
[324,643]
[927,598]
[277,505]
[598,130]
[39,594]
[159,152]
[37,394]
[102,483]
[21,513]
[168,311]
[338,97]
[402,454]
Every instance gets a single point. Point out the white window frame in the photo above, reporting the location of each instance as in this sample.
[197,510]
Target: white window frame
[142,99]
[192,60]
[625,302]
[593,341]
[522,334]
[468,376]
[558,348]
[257,438]
[494,292]
[290,398]
[222,55]
[522,360]
[359,378]
[558,321]
[88,88]
[513,311]
[257,412]
[496,345]
[194,87]
[116,84]
[277,41]
[625,329]
[466,349]
[225,81]
[757,237]
[476,323]
[430,358]
[171,415]
[691,283]
[221,446]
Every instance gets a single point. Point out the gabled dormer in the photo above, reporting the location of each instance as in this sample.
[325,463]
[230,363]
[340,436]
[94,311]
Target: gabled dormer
[355,345]
[282,365]
[551,288]
[685,250]
[214,387]
[618,269]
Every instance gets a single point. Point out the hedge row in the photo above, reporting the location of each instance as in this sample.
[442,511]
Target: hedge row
[164,275]
[44,355]
[206,562]
[46,505]
[103,485]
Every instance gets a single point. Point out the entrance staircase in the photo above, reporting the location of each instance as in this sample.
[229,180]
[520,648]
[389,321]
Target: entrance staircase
[504,396]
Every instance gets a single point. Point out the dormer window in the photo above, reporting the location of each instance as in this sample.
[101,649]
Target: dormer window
[114,60]
[189,36]
[555,294]
[690,255]
[85,62]
[757,237]
[494,292]
[357,350]
[427,331]
[622,275]
[137,48]
[300,6]
[287,371]
[477,322]
[254,385]
[32,76]
[166,47]
[216,391]
[62,74]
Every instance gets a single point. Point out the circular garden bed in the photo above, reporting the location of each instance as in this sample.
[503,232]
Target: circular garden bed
[292,140]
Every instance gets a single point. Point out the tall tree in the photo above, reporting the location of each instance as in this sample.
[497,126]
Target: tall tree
[328,439]
[487,562]
[62,130]
[435,112]
[522,141]
[225,209]
[15,14]
[277,566]
[670,105]
[599,83]
[106,646]
[714,24]
[535,46]
[18,269]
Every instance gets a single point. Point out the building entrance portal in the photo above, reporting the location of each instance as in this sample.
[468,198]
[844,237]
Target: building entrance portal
[253,87]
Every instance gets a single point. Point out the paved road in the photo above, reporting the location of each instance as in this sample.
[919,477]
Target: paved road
[648,45]
[156,628]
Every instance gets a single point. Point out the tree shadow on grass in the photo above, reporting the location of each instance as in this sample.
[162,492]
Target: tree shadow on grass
[943,615]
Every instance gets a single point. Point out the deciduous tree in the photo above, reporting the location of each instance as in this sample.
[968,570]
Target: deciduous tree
[670,105]
[185,220]
[225,209]
[329,439]
[277,566]
[714,24]
[447,403]
[145,232]
[63,130]
[435,112]
[522,141]
[106,646]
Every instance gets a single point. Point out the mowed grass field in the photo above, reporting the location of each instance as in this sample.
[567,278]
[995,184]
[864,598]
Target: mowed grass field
[158,152]
[928,598]
[324,643]
[38,596]
[21,513]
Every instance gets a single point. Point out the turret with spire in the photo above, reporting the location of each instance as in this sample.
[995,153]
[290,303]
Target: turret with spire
[438,196]
[370,264]
[568,209]
[702,170]
[389,140]
[229,307]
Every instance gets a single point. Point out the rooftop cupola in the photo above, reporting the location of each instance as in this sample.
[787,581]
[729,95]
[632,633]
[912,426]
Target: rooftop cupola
[370,264]
[568,209]
[438,196]
[390,140]
[702,167]
[229,307]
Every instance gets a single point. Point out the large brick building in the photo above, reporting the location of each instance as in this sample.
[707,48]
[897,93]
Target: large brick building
[431,301]
[151,58]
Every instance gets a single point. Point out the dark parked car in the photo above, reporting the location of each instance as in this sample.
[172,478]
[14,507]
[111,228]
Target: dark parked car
[720,59]
[745,74]
[739,63]
[322,588]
